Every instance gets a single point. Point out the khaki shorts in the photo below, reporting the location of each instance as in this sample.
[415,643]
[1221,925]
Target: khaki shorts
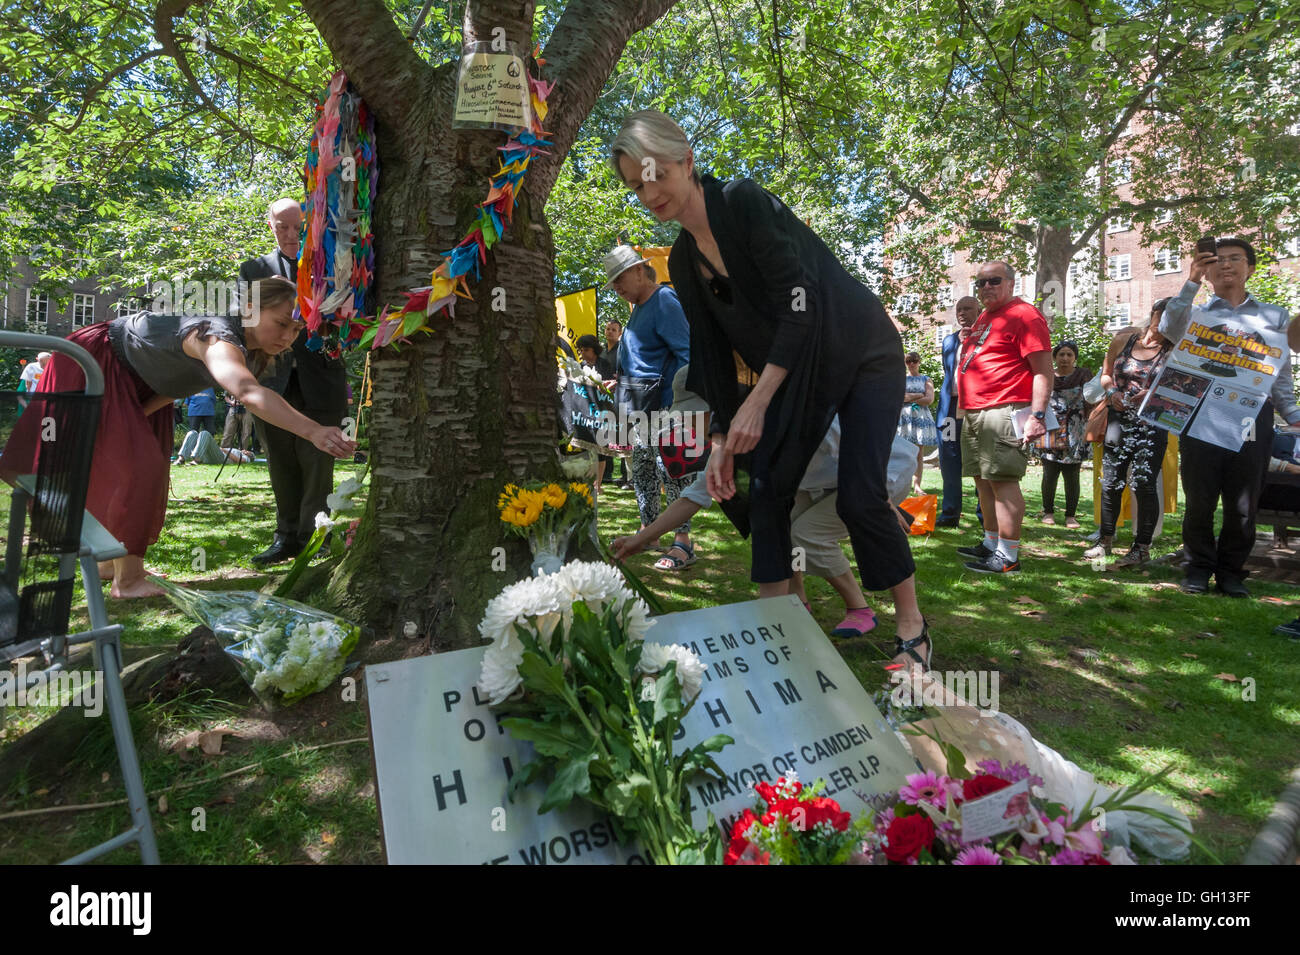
[989,446]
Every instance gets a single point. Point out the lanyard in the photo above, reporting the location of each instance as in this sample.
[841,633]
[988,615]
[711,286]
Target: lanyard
[988,327]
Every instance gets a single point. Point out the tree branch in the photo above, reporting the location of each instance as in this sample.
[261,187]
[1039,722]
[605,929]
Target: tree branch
[375,54]
[581,54]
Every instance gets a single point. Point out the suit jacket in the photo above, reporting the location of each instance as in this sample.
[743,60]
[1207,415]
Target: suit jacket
[324,381]
[947,400]
[826,336]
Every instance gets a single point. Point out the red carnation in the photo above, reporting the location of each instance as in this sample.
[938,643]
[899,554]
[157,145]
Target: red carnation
[739,843]
[908,836]
[981,785]
[822,809]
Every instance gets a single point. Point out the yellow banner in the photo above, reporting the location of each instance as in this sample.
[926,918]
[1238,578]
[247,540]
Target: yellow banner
[658,257]
[575,316]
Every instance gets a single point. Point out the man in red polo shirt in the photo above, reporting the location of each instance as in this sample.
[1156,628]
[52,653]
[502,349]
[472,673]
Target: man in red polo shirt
[1005,366]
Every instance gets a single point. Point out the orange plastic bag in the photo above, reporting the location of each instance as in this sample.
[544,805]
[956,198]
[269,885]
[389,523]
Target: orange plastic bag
[924,509]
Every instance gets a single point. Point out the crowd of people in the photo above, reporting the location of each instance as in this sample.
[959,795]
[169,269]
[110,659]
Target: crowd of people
[812,435]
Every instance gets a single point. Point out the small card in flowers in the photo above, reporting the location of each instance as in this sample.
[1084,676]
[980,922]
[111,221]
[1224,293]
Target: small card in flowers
[995,813]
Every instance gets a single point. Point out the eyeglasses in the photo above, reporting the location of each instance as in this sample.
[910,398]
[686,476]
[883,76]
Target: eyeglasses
[1231,259]
[995,282]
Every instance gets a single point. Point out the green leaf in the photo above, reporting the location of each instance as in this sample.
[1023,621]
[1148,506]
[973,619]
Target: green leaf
[668,694]
[549,739]
[571,779]
[716,743]
[538,675]
[621,794]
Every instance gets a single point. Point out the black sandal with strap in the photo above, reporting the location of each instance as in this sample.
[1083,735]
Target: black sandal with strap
[909,646]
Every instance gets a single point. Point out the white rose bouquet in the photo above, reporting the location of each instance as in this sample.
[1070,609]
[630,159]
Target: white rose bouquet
[284,650]
[569,665]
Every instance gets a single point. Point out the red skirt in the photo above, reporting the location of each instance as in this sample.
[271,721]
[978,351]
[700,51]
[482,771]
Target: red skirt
[131,465]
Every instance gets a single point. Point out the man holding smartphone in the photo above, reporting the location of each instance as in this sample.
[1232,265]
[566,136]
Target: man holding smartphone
[1211,472]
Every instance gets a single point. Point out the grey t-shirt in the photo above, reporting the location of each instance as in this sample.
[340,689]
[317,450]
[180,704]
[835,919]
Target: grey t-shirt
[151,344]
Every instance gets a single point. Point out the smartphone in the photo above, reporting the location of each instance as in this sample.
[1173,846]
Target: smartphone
[1206,244]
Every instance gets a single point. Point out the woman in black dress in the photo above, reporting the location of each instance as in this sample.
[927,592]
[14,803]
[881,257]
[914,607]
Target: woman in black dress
[753,278]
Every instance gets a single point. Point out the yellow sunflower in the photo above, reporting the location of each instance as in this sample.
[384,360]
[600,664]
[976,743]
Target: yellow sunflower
[584,492]
[554,495]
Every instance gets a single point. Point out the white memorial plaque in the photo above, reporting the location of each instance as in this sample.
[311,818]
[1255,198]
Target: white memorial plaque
[775,684]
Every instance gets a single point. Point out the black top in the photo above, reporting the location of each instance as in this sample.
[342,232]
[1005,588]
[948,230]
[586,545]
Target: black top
[323,380]
[753,343]
[794,306]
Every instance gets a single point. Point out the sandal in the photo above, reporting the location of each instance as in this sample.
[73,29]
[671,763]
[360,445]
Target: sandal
[856,622]
[908,646]
[1071,523]
[669,562]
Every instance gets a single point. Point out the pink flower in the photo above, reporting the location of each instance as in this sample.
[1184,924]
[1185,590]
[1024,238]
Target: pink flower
[925,787]
[1086,840]
[977,855]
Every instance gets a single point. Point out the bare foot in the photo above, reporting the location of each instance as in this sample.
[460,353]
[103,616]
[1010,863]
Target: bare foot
[105,570]
[143,587]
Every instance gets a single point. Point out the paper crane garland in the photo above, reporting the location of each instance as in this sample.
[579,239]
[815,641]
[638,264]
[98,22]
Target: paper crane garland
[494,217]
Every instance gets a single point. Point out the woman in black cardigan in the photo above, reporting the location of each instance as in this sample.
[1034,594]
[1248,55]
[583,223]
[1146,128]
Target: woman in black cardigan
[753,278]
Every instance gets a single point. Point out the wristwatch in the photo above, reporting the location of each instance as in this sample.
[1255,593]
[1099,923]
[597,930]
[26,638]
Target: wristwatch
[1040,415]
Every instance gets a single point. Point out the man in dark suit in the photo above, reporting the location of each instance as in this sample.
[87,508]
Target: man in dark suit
[968,309]
[301,476]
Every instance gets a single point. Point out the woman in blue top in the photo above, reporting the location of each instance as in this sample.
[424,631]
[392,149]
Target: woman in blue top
[654,345]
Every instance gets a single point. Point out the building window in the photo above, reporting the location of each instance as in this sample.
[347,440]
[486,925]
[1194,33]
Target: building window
[1165,217]
[1121,170]
[906,303]
[1119,224]
[1119,267]
[1171,158]
[902,267]
[1117,317]
[948,258]
[38,308]
[1166,261]
[945,297]
[940,333]
[1291,247]
[83,309]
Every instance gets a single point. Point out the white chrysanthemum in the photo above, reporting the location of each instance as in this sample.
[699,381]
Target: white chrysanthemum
[520,603]
[690,669]
[595,584]
[323,521]
[499,675]
[638,620]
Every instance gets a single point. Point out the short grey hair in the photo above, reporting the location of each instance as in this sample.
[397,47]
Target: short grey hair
[648,132]
[1006,267]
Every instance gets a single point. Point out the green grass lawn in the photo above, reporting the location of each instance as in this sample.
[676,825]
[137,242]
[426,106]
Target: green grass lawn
[1119,671]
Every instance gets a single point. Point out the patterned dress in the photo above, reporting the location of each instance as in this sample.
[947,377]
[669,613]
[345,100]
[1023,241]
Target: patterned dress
[1067,404]
[916,424]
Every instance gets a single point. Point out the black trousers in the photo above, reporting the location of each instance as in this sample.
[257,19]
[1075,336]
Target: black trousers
[1070,474]
[301,476]
[868,422]
[1212,474]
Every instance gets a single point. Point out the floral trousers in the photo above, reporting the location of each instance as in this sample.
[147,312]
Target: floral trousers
[647,472]
[1135,460]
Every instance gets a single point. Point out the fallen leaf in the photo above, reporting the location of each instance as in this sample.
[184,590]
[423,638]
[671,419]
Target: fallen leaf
[220,800]
[314,854]
[1226,678]
[1015,653]
[1022,599]
[327,838]
[324,722]
[1191,656]
[42,792]
[208,741]
[1279,601]
[1034,614]
[1207,791]
[162,805]
[103,778]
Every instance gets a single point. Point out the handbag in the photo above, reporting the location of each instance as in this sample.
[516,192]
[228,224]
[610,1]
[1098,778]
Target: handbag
[1093,392]
[1098,418]
[681,452]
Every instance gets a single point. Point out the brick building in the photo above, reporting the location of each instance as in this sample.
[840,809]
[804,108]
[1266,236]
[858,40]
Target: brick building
[25,307]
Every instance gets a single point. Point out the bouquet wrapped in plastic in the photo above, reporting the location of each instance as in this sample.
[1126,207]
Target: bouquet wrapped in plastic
[284,650]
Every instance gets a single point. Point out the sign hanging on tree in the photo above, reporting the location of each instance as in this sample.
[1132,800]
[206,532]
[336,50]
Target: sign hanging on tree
[492,88]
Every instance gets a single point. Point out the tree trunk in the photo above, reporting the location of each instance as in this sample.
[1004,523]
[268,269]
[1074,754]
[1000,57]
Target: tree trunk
[1055,249]
[461,412]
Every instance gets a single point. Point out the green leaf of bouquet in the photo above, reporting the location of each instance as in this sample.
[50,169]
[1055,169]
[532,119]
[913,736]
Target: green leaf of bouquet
[956,759]
[668,694]
[527,775]
[571,779]
[716,743]
[622,794]
[539,675]
[547,738]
